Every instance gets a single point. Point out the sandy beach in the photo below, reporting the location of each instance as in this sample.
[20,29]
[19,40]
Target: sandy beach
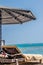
[34,57]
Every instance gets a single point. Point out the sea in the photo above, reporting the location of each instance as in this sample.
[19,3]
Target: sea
[33,48]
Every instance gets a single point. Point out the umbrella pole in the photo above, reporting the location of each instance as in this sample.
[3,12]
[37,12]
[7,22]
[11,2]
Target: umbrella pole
[0,30]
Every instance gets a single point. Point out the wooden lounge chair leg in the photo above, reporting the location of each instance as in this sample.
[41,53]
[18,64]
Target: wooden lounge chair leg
[40,60]
[17,62]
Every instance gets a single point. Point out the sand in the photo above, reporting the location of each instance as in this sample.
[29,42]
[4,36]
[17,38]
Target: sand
[34,57]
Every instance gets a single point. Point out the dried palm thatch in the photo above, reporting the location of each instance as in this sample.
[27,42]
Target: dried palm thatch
[15,16]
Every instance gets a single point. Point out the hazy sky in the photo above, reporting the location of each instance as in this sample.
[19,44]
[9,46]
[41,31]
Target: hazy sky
[30,32]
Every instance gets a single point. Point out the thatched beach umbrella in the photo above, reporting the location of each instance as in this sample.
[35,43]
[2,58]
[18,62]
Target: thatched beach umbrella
[14,16]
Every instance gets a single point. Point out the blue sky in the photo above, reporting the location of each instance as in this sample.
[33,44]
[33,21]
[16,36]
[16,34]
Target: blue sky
[30,32]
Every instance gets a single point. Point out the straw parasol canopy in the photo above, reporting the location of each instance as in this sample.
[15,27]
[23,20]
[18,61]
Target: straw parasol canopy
[15,16]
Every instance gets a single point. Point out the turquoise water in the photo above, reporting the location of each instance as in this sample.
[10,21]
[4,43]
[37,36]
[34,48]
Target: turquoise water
[31,48]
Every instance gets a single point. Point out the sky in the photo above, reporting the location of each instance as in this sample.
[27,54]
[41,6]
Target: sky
[29,32]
